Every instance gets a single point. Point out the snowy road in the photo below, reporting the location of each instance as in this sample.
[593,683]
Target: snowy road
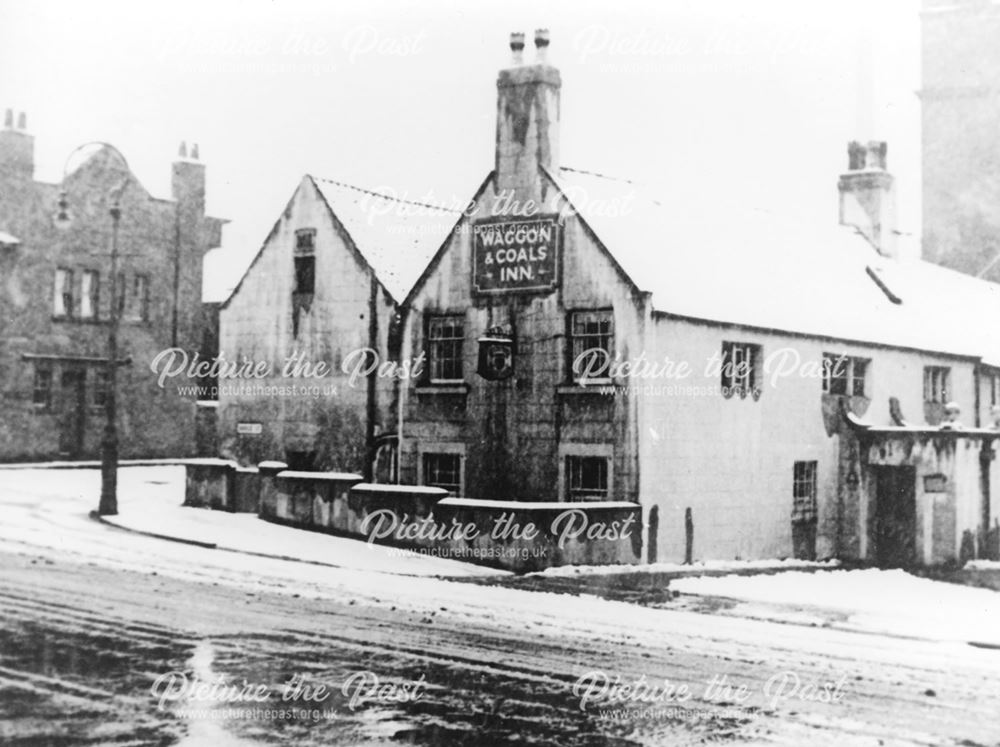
[92,615]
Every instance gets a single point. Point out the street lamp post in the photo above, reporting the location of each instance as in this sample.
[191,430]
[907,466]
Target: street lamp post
[108,504]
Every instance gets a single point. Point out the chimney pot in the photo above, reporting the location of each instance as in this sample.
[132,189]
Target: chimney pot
[541,44]
[194,151]
[867,197]
[22,121]
[855,156]
[517,47]
[8,119]
[183,150]
[876,154]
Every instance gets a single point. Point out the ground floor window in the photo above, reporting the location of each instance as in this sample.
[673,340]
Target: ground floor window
[42,395]
[443,471]
[586,478]
[99,393]
[804,510]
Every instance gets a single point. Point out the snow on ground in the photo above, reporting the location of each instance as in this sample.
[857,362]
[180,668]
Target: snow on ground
[693,569]
[149,500]
[872,600]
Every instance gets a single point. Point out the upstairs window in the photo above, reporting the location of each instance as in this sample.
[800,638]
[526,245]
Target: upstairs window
[740,364]
[122,291]
[445,338]
[843,374]
[42,394]
[443,471]
[305,260]
[305,241]
[994,382]
[592,342]
[936,384]
[139,309]
[89,294]
[62,305]
[586,478]
[305,274]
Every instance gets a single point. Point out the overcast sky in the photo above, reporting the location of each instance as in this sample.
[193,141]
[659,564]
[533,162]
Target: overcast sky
[725,101]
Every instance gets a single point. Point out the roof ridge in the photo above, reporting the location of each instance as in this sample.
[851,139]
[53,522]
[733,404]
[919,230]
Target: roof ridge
[594,173]
[385,196]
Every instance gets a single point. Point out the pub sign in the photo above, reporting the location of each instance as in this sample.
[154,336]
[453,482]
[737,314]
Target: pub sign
[496,354]
[515,256]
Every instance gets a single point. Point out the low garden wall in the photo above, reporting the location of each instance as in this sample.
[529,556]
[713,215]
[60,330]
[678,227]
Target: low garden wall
[513,535]
[209,483]
[523,537]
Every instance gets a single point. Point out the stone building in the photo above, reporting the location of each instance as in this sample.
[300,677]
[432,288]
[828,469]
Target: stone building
[960,104]
[55,302]
[760,387]
[318,306]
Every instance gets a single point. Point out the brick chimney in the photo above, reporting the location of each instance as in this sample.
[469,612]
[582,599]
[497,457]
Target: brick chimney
[527,118]
[17,148]
[188,181]
[867,197]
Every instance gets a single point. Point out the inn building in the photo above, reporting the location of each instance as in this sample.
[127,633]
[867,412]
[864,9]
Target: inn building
[818,390]
[55,302]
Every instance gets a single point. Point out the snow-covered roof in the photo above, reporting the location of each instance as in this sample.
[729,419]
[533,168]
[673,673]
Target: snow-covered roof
[761,268]
[396,237]
[7,239]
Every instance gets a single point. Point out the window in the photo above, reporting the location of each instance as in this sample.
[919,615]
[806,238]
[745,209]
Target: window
[994,381]
[63,300]
[443,471]
[99,393]
[42,395]
[936,384]
[592,336]
[586,478]
[139,310]
[445,337]
[305,260]
[89,294]
[804,492]
[305,241]
[740,361]
[122,290]
[305,275]
[844,375]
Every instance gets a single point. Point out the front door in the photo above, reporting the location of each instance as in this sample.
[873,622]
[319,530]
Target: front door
[895,520]
[73,410]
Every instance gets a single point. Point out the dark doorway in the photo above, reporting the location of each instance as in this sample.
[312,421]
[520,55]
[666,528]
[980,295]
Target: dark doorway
[73,408]
[895,517]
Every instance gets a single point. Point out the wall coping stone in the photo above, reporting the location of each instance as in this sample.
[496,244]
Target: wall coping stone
[414,490]
[537,505]
[302,475]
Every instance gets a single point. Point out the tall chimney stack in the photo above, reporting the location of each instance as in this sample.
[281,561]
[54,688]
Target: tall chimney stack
[867,197]
[17,148]
[188,181]
[527,119]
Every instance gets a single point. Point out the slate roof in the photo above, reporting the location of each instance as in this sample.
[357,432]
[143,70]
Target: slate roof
[762,269]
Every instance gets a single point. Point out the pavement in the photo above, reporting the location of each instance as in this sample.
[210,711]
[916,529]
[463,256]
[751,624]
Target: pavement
[149,503]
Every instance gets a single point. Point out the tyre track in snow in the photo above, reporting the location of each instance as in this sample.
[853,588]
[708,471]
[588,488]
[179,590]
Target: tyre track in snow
[508,657]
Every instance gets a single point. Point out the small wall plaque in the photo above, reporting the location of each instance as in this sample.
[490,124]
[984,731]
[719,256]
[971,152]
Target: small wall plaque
[249,429]
[935,483]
